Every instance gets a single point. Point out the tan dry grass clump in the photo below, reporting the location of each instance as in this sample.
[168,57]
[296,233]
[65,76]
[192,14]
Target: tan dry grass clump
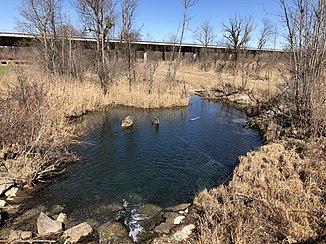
[35,133]
[74,98]
[160,96]
[276,196]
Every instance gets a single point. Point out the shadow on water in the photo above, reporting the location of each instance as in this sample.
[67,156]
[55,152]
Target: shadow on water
[192,148]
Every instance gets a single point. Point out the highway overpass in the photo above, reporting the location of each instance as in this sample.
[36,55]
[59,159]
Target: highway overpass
[11,39]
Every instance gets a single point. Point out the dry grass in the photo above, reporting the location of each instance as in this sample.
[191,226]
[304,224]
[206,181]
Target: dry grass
[161,95]
[277,195]
[34,134]
[195,78]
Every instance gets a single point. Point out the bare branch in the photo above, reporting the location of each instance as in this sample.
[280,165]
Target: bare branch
[237,32]
[205,34]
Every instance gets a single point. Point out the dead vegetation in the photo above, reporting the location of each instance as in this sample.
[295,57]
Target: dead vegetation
[35,128]
[34,135]
[276,195]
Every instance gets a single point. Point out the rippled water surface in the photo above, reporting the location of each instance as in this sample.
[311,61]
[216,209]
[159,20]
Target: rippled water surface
[193,148]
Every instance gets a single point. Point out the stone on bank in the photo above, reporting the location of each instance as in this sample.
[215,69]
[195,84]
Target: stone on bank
[78,233]
[46,225]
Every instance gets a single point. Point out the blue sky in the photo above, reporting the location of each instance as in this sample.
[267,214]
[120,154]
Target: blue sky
[159,19]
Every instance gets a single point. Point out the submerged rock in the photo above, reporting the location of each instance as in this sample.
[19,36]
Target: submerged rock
[163,228]
[114,233]
[56,209]
[149,210]
[46,225]
[114,207]
[170,217]
[109,209]
[153,216]
[78,233]
[146,237]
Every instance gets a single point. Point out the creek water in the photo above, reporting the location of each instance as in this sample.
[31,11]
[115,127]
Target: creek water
[193,148]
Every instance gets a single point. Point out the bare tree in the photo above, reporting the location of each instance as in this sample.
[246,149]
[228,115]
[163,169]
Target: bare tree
[186,5]
[70,50]
[128,34]
[237,33]
[267,32]
[98,17]
[205,35]
[305,21]
[41,18]
[172,70]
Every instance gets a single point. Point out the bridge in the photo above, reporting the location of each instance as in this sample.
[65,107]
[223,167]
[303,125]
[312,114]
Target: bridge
[11,39]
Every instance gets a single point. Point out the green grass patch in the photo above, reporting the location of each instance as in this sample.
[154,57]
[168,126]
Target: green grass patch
[4,70]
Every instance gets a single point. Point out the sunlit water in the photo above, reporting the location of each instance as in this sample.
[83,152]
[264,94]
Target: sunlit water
[193,148]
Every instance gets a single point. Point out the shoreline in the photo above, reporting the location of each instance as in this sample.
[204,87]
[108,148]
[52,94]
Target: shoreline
[256,120]
[40,186]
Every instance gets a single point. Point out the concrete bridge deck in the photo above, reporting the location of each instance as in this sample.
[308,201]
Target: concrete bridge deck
[11,39]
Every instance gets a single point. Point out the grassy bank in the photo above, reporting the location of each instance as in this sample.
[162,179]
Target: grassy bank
[276,195]
[36,108]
